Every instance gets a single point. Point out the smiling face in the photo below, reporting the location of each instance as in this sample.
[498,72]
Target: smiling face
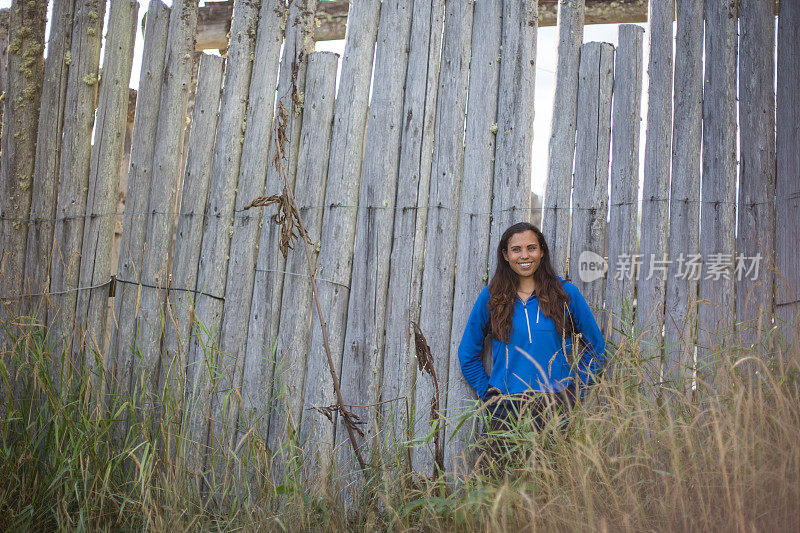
[523,253]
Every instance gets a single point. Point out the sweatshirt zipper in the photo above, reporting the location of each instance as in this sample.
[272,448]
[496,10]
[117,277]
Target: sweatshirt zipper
[528,321]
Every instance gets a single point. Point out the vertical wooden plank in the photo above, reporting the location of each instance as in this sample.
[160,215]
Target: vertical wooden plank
[252,178]
[655,209]
[218,367]
[590,197]
[189,232]
[312,168]
[756,214]
[298,46]
[140,172]
[258,364]
[512,157]
[556,215]
[718,194]
[73,182]
[624,180]
[684,218]
[291,80]
[4,16]
[440,247]
[20,118]
[98,231]
[472,255]
[362,359]
[339,219]
[787,239]
[405,262]
[48,157]
[194,196]
[162,202]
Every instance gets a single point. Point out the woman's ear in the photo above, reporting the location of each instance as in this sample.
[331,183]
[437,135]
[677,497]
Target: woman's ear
[505,256]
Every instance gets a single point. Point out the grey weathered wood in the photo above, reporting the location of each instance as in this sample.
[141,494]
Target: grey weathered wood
[189,233]
[312,167]
[472,255]
[265,307]
[280,174]
[408,243]
[684,218]
[215,366]
[163,192]
[48,157]
[514,140]
[590,197]
[787,237]
[252,178]
[718,196]
[653,233]
[73,182]
[362,359]
[23,94]
[756,214]
[624,179]
[137,194]
[561,150]
[4,16]
[443,202]
[98,230]
[339,219]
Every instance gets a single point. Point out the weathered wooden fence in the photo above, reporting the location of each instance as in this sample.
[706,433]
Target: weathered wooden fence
[405,180]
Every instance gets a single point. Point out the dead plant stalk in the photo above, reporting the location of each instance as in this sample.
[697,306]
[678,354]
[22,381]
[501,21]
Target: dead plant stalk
[287,204]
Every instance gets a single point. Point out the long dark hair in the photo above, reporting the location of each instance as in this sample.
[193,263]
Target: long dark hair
[553,299]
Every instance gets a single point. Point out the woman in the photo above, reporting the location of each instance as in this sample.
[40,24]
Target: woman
[532,314]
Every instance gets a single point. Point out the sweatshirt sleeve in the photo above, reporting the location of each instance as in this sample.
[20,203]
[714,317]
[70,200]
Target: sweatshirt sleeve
[593,357]
[469,351]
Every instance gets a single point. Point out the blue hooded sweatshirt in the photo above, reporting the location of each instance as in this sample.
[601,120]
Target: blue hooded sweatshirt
[536,358]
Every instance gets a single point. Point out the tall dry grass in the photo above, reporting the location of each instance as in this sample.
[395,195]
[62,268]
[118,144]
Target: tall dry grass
[633,455]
